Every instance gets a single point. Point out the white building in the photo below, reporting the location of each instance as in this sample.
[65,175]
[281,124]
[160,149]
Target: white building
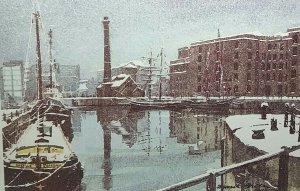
[12,82]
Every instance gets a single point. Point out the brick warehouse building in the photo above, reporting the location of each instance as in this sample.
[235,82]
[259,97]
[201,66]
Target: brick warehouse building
[247,64]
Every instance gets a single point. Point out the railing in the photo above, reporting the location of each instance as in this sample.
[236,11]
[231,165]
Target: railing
[210,177]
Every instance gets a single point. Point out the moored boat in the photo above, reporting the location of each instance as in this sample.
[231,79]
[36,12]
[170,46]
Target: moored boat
[153,104]
[42,159]
[213,106]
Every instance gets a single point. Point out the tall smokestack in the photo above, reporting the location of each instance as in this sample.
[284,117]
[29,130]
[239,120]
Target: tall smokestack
[107,64]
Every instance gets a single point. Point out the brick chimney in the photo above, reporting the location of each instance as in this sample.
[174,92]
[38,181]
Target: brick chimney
[107,62]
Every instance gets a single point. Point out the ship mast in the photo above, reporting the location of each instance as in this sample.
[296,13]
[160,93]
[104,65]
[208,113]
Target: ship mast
[38,57]
[161,61]
[149,77]
[50,58]
[206,71]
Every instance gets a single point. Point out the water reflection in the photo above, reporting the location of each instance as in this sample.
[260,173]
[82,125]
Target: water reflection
[194,127]
[145,150]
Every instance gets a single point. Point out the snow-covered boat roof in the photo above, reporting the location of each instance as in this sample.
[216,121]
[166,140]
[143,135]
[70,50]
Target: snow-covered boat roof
[243,126]
[30,136]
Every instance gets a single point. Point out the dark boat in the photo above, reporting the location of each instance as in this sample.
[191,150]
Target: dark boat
[213,106]
[42,159]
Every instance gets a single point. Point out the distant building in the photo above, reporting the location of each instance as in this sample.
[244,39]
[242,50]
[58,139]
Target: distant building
[68,79]
[12,82]
[120,86]
[246,64]
[66,76]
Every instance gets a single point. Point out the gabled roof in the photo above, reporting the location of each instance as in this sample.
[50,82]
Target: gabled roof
[120,79]
[117,81]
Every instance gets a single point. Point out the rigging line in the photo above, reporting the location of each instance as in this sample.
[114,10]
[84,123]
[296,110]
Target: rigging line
[3,135]
[50,174]
[29,40]
[43,179]
[24,165]
[17,175]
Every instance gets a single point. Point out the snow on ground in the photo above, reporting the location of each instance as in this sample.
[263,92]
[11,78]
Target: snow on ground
[274,140]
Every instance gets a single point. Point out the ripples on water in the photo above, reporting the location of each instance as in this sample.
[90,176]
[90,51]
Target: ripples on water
[144,150]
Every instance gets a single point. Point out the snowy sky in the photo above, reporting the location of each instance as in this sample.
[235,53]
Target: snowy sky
[137,26]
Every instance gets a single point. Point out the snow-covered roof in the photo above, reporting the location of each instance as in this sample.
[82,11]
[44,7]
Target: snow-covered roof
[256,33]
[243,126]
[118,80]
[133,64]
[82,87]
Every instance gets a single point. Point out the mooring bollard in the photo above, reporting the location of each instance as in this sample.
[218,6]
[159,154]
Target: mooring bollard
[264,106]
[286,114]
[274,125]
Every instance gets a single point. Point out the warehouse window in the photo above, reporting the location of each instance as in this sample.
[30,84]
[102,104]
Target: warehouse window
[293,87]
[268,77]
[199,88]
[281,57]
[217,46]
[280,65]
[263,56]
[263,66]
[293,73]
[295,51]
[248,88]
[295,38]
[236,66]
[199,58]
[236,76]
[200,49]
[199,78]
[249,55]
[268,67]
[269,46]
[236,44]
[279,89]
[249,65]
[199,68]
[248,76]
[236,55]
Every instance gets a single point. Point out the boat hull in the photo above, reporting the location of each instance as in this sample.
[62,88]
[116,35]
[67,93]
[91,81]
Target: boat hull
[66,178]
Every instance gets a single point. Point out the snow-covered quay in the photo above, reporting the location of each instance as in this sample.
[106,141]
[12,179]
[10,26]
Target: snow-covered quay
[244,125]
